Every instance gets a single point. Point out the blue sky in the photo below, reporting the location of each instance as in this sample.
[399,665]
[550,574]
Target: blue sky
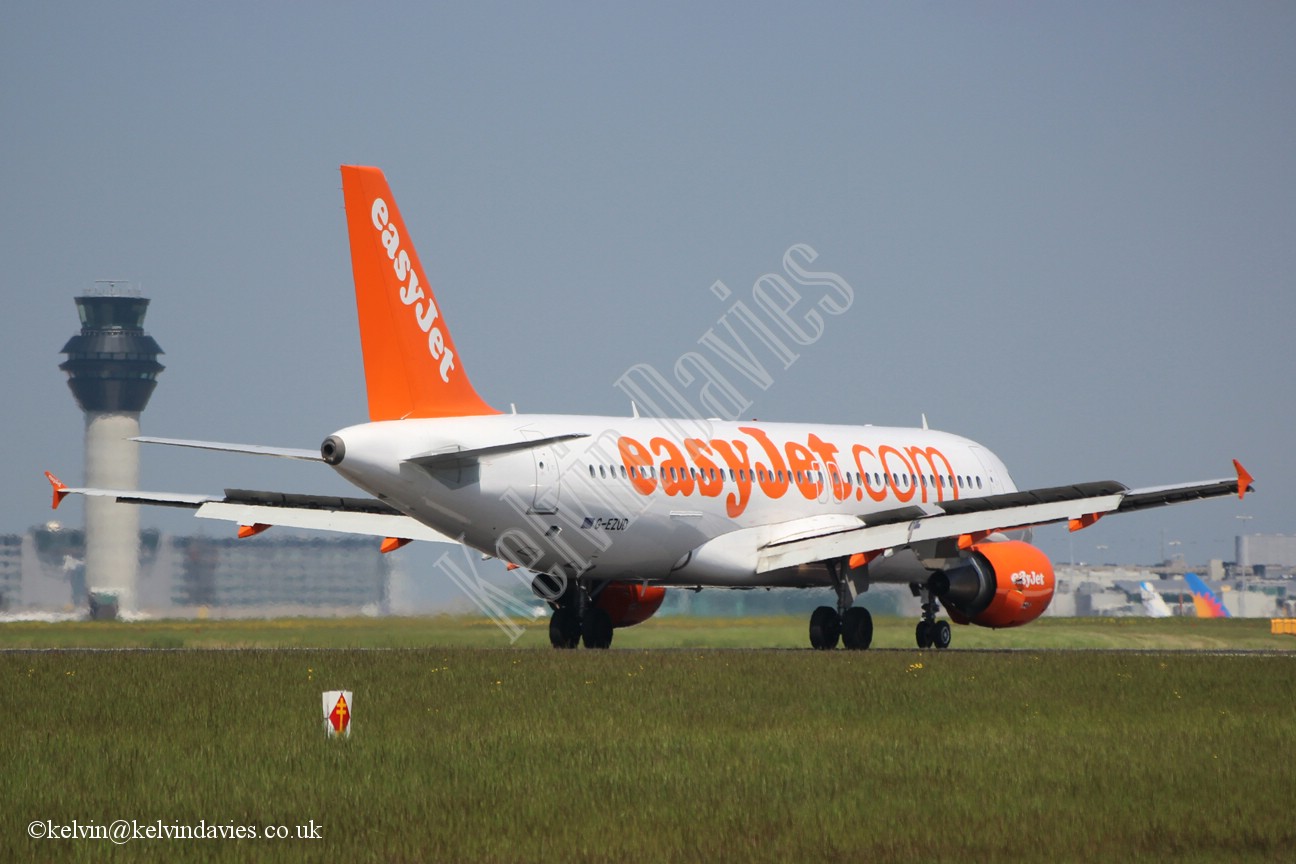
[1069,227]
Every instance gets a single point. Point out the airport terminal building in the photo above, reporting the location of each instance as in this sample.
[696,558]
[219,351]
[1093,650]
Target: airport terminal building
[44,571]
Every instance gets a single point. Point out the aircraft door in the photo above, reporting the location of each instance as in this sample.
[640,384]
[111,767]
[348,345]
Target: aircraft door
[995,483]
[548,482]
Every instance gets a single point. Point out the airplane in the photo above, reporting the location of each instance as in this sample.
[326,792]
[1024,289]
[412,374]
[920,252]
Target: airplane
[1153,603]
[1207,603]
[606,513]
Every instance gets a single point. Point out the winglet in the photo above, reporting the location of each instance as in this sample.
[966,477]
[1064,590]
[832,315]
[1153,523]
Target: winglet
[246,531]
[1244,479]
[60,490]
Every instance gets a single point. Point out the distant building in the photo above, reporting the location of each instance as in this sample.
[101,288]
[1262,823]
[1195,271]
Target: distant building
[43,570]
[1266,554]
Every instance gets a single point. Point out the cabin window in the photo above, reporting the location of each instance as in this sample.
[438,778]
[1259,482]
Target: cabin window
[602,472]
[623,472]
[591,470]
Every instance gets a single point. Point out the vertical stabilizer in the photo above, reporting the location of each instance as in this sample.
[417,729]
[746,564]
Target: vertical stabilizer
[1153,604]
[412,368]
[1207,603]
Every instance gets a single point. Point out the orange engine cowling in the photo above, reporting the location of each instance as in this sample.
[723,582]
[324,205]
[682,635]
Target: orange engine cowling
[999,585]
[630,603]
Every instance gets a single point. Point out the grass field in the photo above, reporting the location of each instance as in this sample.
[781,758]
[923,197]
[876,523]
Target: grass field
[529,754]
[679,632]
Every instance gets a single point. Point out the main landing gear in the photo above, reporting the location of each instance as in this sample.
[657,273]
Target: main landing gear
[852,625]
[576,619]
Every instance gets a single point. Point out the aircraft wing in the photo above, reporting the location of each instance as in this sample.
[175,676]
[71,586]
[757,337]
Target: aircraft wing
[255,511]
[972,519]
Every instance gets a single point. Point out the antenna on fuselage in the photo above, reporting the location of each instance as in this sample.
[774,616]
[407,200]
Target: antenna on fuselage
[924,419]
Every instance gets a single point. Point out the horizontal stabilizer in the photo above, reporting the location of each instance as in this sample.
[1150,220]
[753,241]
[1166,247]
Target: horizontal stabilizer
[253,449]
[459,458]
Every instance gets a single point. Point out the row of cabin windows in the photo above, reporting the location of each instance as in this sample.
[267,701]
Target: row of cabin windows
[876,480]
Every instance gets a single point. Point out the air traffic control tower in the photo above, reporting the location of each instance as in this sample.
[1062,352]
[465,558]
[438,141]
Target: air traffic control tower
[112,368]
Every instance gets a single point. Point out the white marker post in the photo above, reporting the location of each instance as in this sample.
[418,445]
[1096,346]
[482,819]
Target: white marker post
[337,713]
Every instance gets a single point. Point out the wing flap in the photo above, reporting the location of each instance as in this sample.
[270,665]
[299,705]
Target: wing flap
[156,499]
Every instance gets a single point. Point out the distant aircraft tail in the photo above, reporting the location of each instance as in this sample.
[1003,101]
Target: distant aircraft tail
[1153,604]
[1207,603]
[412,368]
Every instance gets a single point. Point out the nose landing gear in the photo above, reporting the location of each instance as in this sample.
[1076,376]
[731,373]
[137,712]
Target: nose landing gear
[931,633]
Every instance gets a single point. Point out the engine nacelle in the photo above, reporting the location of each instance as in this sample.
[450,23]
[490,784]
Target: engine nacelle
[999,585]
[630,603]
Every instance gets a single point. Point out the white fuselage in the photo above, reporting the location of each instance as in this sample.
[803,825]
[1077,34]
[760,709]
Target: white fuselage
[673,502]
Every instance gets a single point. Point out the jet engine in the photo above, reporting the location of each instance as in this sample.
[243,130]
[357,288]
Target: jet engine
[630,603]
[997,585]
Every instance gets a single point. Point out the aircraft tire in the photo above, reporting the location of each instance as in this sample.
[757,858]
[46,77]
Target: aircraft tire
[941,635]
[564,628]
[825,628]
[923,634]
[856,629]
[596,629]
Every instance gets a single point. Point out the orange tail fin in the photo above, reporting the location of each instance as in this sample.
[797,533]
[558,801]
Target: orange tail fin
[412,368]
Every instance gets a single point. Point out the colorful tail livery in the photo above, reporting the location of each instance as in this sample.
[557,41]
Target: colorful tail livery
[1207,603]
[602,514]
[1152,602]
[412,368]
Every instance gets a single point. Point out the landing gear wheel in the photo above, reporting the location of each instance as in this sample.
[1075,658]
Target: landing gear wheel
[856,628]
[564,628]
[596,628]
[923,634]
[825,628]
[940,634]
